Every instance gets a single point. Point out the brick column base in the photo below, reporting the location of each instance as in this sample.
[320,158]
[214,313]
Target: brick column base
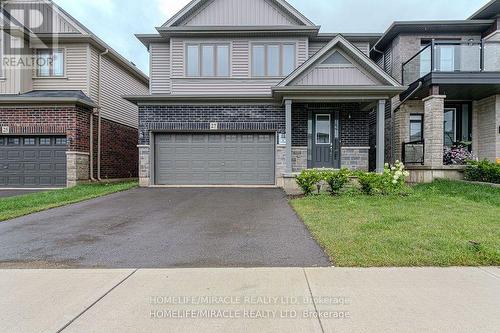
[434,130]
[77,167]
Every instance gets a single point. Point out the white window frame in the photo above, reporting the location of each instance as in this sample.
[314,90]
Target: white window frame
[200,60]
[316,129]
[281,58]
[51,68]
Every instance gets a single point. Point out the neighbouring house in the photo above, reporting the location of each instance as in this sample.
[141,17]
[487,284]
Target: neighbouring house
[452,73]
[62,116]
[250,92]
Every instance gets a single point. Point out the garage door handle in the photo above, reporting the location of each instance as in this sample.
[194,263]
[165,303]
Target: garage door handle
[5,167]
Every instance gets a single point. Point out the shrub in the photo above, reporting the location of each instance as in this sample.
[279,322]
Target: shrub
[483,171]
[392,181]
[457,155]
[308,179]
[336,179]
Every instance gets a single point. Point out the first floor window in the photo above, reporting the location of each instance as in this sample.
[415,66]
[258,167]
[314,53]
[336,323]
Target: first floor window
[207,60]
[449,126]
[273,60]
[50,63]
[416,127]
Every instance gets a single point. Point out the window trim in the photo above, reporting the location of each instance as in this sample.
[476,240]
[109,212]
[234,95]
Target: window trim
[214,45]
[421,115]
[281,58]
[51,68]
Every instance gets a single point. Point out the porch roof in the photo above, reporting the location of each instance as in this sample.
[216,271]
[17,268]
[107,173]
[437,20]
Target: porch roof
[336,93]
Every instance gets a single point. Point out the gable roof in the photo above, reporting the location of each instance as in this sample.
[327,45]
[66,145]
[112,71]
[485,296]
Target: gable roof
[192,7]
[488,11]
[81,34]
[359,57]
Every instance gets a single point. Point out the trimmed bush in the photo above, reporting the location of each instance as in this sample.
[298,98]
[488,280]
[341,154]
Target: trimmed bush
[337,180]
[308,180]
[483,171]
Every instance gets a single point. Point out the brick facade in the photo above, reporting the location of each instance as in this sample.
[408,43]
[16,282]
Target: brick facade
[119,157]
[119,153]
[240,118]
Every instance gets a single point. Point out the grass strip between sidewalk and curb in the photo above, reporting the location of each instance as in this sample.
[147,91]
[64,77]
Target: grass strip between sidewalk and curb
[22,205]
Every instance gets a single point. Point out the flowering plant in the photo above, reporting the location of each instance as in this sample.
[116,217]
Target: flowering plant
[391,181]
[457,154]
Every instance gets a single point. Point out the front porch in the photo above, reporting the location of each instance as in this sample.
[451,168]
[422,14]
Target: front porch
[331,135]
[424,129]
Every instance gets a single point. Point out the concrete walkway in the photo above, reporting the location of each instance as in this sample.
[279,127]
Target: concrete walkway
[251,300]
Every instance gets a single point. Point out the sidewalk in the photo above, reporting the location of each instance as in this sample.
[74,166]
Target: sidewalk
[251,300]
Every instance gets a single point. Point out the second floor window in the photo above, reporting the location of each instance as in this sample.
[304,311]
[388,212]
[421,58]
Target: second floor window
[273,60]
[207,60]
[50,63]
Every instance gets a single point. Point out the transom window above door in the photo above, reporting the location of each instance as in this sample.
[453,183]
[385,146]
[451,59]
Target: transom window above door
[207,60]
[273,59]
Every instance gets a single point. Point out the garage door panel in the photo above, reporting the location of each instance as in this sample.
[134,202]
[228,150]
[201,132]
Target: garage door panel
[27,163]
[215,159]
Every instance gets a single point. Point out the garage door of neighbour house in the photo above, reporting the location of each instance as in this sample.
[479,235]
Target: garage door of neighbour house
[215,159]
[32,161]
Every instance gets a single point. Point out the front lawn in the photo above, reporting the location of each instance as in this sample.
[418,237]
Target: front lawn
[440,224]
[35,202]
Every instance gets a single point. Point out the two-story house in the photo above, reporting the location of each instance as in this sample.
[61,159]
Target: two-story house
[452,73]
[62,116]
[247,92]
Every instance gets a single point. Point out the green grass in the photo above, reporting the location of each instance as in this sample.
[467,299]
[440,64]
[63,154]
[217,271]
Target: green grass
[433,226]
[36,202]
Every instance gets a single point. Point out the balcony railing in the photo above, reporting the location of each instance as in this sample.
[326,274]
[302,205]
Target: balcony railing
[453,56]
[413,152]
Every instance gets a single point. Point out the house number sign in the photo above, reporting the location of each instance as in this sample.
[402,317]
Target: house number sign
[5,130]
[214,126]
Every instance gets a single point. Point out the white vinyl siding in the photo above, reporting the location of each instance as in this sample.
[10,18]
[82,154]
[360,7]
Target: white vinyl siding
[239,80]
[76,73]
[15,79]
[240,12]
[160,68]
[115,83]
[316,46]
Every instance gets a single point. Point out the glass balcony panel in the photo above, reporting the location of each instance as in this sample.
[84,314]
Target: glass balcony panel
[417,67]
[464,57]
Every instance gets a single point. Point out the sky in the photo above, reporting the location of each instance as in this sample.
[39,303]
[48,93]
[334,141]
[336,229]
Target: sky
[116,21]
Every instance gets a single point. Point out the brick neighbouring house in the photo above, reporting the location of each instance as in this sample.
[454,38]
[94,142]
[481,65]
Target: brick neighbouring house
[47,117]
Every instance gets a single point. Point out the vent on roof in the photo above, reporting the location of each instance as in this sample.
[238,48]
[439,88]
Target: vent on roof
[336,59]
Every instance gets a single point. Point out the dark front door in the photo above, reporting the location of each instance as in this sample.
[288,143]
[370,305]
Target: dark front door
[326,140]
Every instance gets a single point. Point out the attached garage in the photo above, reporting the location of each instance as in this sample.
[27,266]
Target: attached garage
[214,159]
[32,161]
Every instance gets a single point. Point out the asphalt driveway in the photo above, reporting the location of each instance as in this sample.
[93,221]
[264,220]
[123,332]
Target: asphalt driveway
[161,228]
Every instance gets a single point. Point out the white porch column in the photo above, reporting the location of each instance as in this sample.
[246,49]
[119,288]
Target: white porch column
[380,136]
[288,150]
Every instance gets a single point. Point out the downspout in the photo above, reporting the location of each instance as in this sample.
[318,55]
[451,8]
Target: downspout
[92,146]
[99,127]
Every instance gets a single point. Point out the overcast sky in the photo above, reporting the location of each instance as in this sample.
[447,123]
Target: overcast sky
[116,21]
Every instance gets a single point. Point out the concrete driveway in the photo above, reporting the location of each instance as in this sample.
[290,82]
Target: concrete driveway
[162,228]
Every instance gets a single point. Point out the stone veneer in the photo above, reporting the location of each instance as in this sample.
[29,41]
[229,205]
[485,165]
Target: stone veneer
[486,126]
[77,167]
[433,130]
[355,158]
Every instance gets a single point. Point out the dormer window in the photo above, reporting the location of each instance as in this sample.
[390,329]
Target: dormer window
[273,59]
[207,60]
[50,63]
